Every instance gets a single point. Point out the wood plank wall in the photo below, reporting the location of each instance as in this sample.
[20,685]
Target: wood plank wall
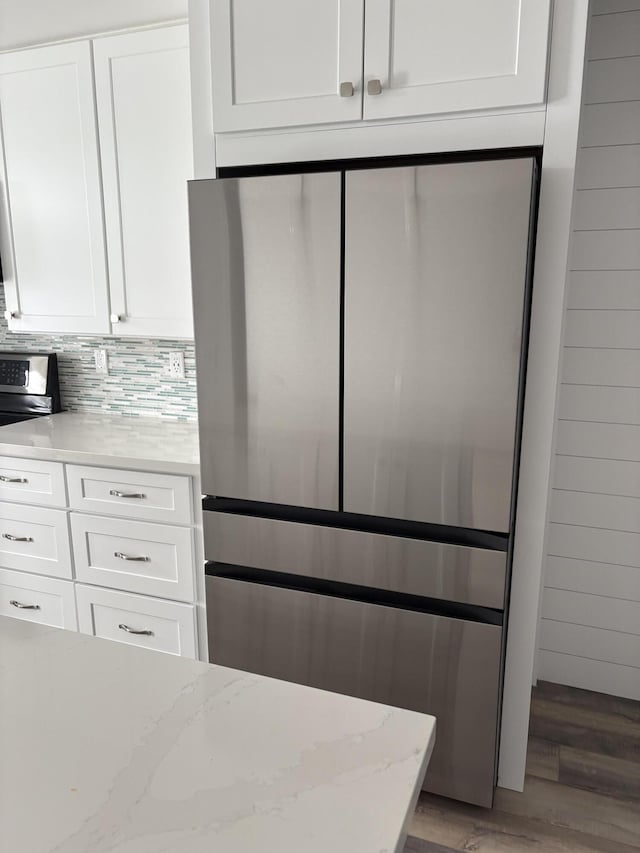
[590,629]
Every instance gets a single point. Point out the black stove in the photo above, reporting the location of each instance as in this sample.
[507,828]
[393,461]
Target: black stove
[29,386]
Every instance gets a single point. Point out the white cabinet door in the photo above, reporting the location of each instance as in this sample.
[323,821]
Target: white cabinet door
[38,599]
[153,559]
[32,481]
[138,620]
[444,56]
[35,540]
[144,117]
[282,62]
[54,265]
[130,494]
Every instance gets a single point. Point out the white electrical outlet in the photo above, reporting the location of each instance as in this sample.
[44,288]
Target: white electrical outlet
[176,365]
[102,365]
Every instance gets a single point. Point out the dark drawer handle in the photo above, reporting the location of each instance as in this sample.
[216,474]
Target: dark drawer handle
[13,538]
[21,606]
[117,494]
[122,556]
[4,479]
[145,631]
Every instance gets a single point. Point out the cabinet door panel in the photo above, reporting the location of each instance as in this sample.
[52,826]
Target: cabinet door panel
[153,559]
[138,620]
[452,55]
[34,598]
[144,113]
[35,540]
[32,481]
[130,494]
[54,265]
[282,63]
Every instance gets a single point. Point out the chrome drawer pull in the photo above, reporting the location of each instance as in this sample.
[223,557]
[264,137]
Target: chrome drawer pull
[145,631]
[122,556]
[117,494]
[12,538]
[21,606]
[4,479]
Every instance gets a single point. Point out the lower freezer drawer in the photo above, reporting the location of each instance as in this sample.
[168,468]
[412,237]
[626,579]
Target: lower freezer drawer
[438,665]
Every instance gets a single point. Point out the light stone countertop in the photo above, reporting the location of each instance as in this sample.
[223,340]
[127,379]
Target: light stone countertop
[107,748]
[149,444]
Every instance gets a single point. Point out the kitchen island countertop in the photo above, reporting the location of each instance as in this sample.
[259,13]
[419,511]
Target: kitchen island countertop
[92,438]
[113,749]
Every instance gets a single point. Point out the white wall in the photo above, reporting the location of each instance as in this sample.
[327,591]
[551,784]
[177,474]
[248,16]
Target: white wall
[25,22]
[590,629]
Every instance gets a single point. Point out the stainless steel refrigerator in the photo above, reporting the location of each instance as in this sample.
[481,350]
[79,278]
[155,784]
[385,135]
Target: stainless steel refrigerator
[361,344]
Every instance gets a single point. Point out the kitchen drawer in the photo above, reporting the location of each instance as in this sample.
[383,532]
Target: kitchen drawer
[132,494]
[37,599]
[150,623]
[35,540]
[32,481]
[395,563]
[435,664]
[154,559]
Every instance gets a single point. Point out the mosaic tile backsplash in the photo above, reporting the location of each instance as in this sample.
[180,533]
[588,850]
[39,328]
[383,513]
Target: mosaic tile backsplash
[137,384]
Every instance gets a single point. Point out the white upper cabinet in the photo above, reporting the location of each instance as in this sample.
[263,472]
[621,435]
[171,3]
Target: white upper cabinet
[445,56]
[144,118]
[53,251]
[285,62]
[295,62]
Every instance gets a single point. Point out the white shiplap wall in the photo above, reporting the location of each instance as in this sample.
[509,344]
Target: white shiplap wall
[590,629]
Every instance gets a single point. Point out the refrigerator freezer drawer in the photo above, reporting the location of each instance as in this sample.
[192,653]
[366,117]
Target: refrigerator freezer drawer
[413,566]
[446,667]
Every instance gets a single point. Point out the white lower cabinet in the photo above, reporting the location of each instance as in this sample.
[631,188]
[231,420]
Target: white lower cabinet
[32,481]
[130,494]
[33,598]
[153,559]
[128,575]
[35,540]
[151,623]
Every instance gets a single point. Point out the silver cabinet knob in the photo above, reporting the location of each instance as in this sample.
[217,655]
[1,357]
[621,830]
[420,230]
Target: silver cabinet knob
[11,315]
[117,494]
[346,89]
[374,87]
[13,538]
[4,479]
[144,631]
[118,318]
[122,556]
[22,606]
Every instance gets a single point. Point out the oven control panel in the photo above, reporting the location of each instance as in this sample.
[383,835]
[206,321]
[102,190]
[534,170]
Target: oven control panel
[26,373]
[14,373]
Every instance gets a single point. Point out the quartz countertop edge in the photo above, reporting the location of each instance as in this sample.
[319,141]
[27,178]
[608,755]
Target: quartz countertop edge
[134,751]
[115,441]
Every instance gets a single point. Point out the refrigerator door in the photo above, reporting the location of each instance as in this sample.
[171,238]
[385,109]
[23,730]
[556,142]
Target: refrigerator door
[435,274]
[446,667]
[265,257]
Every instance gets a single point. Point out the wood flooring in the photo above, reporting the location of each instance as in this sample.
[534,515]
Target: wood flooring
[582,790]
